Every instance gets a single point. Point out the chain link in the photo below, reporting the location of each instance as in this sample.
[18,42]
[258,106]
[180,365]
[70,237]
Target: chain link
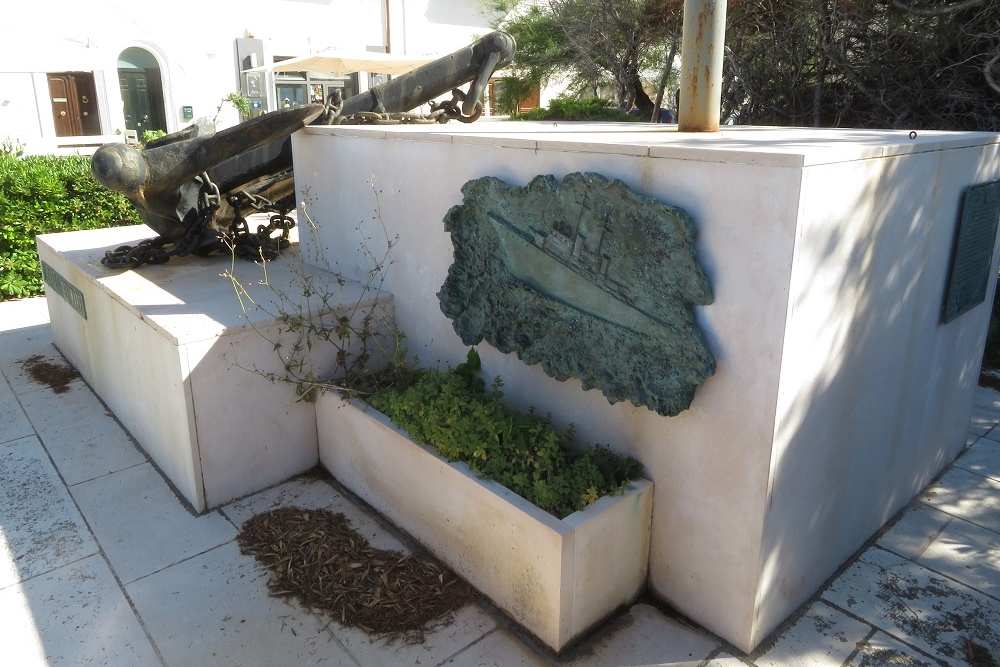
[202,240]
[441,112]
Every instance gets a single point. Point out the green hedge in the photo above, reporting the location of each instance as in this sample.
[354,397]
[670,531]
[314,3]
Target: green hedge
[41,194]
[564,108]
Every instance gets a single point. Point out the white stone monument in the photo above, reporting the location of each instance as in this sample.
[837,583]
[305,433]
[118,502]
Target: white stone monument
[839,392]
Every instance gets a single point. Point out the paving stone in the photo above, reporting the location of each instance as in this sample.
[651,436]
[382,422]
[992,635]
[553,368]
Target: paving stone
[822,636]
[498,649]
[644,636]
[967,553]
[20,344]
[17,348]
[916,606]
[40,527]
[983,458]
[982,422]
[985,415]
[24,313]
[726,660]
[987,397]
[141,524]
[79,433]
[14,424]
[967,495]
[470,623]
[74,615]
[884,651]
[214,609]
[915,530]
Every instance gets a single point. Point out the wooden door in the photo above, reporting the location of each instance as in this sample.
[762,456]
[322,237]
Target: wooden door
[73,96]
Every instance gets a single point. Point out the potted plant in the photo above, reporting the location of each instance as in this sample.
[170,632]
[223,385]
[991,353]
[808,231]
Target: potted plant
[456,471]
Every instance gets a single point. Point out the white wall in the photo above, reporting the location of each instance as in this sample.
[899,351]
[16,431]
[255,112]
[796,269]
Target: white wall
[18,108]
[837,395]
[874,389]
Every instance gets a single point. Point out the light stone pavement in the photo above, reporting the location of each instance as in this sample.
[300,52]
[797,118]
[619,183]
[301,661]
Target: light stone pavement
[101,564]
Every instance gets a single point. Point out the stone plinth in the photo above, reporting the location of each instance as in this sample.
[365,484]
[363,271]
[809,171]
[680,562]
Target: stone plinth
[182,361]
[839,393]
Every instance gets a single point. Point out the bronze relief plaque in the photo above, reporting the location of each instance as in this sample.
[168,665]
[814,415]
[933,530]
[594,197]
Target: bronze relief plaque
[973,256]
[586,278]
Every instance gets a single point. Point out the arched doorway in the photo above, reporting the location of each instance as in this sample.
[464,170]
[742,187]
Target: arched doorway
[142,91]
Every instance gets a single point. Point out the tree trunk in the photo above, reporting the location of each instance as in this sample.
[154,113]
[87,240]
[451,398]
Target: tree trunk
[667,67]
[642,100]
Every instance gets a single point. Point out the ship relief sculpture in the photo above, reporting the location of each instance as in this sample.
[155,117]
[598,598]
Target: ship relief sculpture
[586,278]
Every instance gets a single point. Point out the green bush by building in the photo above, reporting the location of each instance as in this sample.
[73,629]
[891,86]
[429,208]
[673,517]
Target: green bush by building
[564,108]
[41,194]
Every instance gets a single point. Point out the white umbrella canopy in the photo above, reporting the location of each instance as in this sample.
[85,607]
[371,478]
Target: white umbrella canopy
[339,62]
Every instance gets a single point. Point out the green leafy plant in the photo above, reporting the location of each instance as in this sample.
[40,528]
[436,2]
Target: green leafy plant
[564,108]
[41,194]
[455,412]
[239,101]
[12,147]
[151,135]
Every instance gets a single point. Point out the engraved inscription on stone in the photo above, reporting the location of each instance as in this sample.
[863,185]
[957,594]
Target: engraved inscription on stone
[977,230]
[65,289]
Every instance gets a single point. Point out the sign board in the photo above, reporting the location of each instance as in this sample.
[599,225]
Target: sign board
[65,289]
[973,255]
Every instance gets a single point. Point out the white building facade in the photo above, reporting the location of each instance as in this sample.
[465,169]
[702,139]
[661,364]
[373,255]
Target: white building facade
[76,74]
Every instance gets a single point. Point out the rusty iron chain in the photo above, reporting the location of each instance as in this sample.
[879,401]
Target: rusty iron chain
[201,240]
[441,112]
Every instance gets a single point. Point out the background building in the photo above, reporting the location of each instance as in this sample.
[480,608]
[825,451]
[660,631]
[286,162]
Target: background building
[77,74]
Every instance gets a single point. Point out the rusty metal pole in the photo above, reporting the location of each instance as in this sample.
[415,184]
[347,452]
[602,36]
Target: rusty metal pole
[701,65]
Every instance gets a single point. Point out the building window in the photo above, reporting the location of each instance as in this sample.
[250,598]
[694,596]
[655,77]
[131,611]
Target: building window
[295,89]
[291,95]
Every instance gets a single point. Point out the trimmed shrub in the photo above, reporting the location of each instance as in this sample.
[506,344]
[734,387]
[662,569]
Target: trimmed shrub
[41,194]
[564,108]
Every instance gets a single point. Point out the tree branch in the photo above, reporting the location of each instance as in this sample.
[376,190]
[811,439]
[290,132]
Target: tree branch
[936,11]
[988,73]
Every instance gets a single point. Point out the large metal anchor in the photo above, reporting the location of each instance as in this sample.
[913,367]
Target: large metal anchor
[191,188]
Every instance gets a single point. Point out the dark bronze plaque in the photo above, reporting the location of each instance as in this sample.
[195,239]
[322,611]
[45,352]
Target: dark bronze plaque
[585,277]
[977,231]
[65,289]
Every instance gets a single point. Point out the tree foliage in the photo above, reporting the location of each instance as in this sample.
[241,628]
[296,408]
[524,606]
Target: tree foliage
[916,64]
[590,42]
[845,63]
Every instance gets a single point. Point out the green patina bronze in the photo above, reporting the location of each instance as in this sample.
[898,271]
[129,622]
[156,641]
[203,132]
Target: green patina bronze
[588,279]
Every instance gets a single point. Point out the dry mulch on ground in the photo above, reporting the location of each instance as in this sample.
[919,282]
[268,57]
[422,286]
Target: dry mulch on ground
[989,377]
[978,656]
[56,376]
[316,557]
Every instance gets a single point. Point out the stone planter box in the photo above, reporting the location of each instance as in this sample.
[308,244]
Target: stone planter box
[556,578]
